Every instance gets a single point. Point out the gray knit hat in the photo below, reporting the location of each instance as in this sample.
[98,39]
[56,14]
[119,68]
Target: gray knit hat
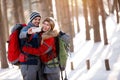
[34,15]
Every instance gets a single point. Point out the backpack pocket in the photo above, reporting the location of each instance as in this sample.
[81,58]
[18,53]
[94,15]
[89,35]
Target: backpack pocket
[22,58]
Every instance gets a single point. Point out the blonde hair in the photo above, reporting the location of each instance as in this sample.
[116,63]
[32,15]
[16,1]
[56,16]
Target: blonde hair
[52,24]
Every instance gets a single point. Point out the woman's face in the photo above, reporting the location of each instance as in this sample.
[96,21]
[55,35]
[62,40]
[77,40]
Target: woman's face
[36,21]
[46,26]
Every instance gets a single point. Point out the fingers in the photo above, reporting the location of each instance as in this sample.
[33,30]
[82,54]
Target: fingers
[30,30]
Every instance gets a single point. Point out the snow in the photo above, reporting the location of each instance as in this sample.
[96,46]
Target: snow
[96,53]
[11,73]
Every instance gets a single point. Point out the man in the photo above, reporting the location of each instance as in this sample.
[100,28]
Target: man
[30,64]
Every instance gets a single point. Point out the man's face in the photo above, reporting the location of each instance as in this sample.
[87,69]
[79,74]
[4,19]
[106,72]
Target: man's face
[36,21]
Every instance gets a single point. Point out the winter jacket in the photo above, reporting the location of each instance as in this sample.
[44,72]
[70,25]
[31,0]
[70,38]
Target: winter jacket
[47,49]
[28,40]
[47,54]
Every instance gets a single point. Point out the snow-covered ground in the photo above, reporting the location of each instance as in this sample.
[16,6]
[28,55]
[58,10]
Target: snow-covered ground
[96,53]
[11,73]
[87,50]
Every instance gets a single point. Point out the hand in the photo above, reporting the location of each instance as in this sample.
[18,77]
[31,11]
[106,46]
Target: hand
[30,30]
[33,30]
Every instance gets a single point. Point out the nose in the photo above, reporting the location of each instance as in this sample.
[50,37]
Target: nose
[38,21]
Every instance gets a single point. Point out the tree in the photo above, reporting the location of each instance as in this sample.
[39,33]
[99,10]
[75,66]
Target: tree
[4,63]
[15,13]
[64,19]
[85,10]
[109,6]
[119,4]
[74,14]
[20,11]
[45,8]
[59,12]
[90,13]
[30,6]
[18,14]
[95,20]
[102,11]
[77,15]
[115,7]
[4,11]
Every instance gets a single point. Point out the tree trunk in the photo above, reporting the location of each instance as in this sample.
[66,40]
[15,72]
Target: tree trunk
[4,11]
[116,8]
[65,19]
[113,6]
[3,58]
[90,13]
[74,15]
[109,6]
[77,15]
[102,11]
[94,9]
[50,7]
[20,11]
[30,6]
[15,12]
[119,4]
[45,8]
[85,10]
[58,13]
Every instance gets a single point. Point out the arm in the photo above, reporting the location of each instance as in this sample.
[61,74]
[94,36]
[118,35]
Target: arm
[24,33]
[43,49]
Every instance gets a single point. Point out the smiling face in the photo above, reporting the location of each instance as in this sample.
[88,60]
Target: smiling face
[46,26]
[36,21]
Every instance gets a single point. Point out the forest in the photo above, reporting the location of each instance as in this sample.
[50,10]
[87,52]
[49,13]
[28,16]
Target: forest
[65,12]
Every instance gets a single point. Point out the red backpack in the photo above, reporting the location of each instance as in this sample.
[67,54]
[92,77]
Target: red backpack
[14,44]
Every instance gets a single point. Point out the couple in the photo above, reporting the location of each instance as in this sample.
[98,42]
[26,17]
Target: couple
[38,49]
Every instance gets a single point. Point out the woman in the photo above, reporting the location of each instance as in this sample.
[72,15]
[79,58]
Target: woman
[47,50]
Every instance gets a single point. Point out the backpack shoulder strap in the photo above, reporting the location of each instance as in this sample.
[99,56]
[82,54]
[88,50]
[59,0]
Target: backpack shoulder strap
[57,46]
[57,52]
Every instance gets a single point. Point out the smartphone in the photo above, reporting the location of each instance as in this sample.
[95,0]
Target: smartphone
[37,29]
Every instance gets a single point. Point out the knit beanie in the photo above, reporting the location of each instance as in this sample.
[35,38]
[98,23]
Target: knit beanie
[34,15]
